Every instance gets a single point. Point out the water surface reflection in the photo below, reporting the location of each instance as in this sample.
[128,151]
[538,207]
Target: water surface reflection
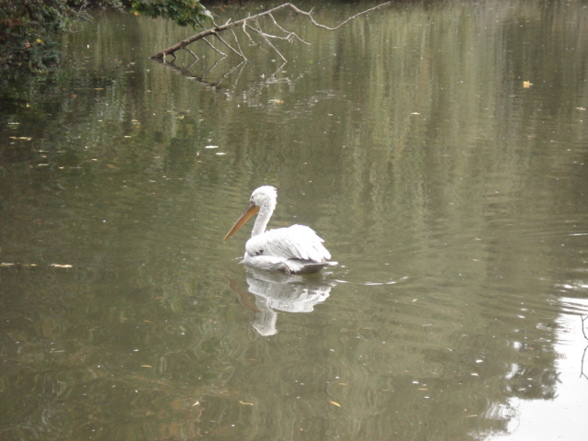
[439,148]
[275,292]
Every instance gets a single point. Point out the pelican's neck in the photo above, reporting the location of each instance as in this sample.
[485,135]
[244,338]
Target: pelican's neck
[265,213]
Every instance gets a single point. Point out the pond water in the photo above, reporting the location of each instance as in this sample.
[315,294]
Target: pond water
[440,150]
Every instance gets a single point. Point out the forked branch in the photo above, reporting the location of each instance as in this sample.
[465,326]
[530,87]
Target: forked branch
[252,23]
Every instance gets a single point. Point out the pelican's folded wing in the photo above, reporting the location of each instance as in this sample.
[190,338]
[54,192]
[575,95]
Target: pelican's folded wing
[295,242]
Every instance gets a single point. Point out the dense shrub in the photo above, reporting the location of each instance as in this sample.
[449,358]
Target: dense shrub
[28,27]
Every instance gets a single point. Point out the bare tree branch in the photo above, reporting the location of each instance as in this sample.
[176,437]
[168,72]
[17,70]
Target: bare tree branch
[244,28]
[290,36]
[238,45]
[226,43]
[214,48]
[245,23]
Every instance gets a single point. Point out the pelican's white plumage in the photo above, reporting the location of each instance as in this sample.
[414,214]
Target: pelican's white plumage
[293,250]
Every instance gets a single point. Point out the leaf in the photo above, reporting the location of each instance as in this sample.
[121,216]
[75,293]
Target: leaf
[334,403]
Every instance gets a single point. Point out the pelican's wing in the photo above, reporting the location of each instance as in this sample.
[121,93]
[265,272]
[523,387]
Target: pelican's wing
[295,242]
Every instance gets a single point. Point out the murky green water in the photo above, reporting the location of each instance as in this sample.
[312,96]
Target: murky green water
[439,149]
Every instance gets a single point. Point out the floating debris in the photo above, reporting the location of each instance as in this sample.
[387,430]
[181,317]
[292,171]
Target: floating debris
[59,265]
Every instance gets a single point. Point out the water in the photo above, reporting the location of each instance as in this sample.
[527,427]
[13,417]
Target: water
[440,151]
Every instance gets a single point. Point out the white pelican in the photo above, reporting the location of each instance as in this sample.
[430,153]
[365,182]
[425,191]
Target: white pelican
[294,250]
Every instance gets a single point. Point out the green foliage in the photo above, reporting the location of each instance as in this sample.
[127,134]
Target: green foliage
[182,12]
[25,26]
[28,27]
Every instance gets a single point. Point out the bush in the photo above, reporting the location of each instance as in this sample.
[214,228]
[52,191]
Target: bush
[182,12]
[28,27]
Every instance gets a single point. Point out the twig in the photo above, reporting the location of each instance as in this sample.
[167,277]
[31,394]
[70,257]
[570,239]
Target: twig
[340,25]
[290,35]
[238,45]
[266,38]
[192,53]
[251,40]
[248,26]
[214,48]
[226,43]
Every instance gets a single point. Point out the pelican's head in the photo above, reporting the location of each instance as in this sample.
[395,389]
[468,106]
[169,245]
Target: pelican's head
[263,198]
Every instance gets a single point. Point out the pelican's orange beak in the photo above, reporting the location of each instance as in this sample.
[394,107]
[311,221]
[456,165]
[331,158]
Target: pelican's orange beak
[250,211]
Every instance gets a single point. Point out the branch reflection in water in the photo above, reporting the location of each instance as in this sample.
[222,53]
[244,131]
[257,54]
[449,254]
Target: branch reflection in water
[274,292]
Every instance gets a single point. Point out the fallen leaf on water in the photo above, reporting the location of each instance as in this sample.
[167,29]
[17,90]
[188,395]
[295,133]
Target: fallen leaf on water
[245,403]
[334,403]
[58,265]
[146,366]
[527,84]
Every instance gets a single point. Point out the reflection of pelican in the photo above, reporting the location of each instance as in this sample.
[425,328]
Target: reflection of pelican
[293,250]
[277,292]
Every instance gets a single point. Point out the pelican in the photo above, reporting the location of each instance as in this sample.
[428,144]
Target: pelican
[293,250]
